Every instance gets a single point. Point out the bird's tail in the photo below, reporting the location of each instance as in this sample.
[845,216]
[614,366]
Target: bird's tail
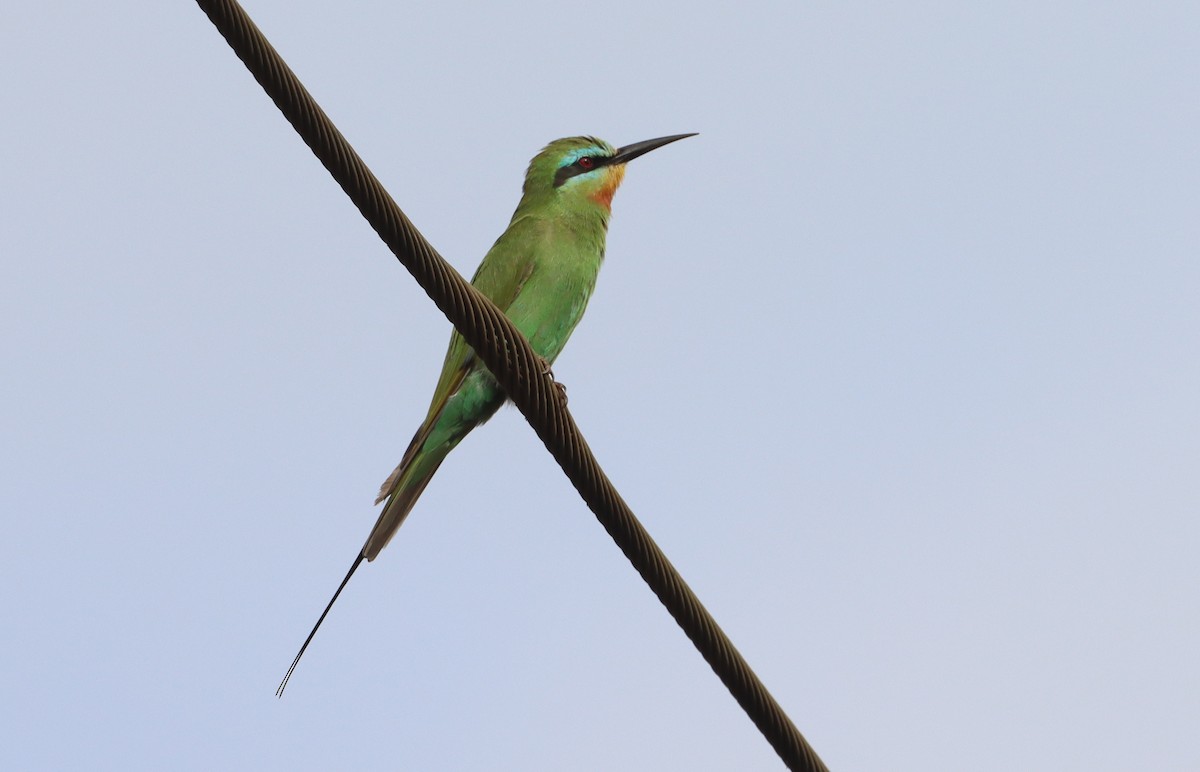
[402,489]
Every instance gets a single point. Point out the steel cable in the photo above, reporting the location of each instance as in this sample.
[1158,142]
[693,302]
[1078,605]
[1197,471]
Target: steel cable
[518,369]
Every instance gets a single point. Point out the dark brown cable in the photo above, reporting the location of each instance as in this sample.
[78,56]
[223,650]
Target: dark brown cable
[518,369]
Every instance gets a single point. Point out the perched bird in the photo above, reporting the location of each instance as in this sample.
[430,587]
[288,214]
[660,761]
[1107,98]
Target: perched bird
[540,272]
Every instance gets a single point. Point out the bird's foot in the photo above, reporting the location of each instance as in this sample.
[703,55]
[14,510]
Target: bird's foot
[562,389]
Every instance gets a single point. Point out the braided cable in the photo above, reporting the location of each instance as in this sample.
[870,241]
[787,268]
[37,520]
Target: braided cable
[518,369]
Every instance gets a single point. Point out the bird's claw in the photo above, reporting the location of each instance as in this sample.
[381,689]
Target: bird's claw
[562,389]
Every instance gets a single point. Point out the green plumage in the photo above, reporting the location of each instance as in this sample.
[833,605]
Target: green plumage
[540,272]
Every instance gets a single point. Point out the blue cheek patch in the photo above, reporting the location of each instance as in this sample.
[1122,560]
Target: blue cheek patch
[578,178]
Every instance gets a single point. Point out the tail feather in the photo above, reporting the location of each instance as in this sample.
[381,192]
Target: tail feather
[391,484]
[407,484]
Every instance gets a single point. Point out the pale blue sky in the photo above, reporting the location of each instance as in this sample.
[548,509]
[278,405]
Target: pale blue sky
[897,360]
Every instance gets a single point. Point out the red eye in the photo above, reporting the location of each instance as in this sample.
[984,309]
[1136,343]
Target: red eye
[586,163]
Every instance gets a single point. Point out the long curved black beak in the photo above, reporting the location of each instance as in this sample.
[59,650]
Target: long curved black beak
[629,152]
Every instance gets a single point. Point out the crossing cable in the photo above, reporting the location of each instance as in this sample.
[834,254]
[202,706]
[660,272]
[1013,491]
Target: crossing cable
[518,369]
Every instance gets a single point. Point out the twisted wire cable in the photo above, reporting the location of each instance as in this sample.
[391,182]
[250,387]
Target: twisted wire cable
[518,369]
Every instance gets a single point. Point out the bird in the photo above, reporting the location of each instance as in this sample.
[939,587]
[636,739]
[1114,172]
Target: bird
[540,273]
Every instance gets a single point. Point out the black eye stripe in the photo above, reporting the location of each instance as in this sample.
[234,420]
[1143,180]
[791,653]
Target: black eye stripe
[587,163]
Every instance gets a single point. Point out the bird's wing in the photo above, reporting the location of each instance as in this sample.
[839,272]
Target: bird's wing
[500,277]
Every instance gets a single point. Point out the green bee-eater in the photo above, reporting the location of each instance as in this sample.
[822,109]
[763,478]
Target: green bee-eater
[540,272]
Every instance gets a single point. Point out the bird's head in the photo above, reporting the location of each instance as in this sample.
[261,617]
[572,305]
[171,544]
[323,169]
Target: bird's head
[582,172]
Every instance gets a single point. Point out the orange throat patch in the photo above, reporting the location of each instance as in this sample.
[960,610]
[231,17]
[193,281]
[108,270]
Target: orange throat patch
[612,180]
